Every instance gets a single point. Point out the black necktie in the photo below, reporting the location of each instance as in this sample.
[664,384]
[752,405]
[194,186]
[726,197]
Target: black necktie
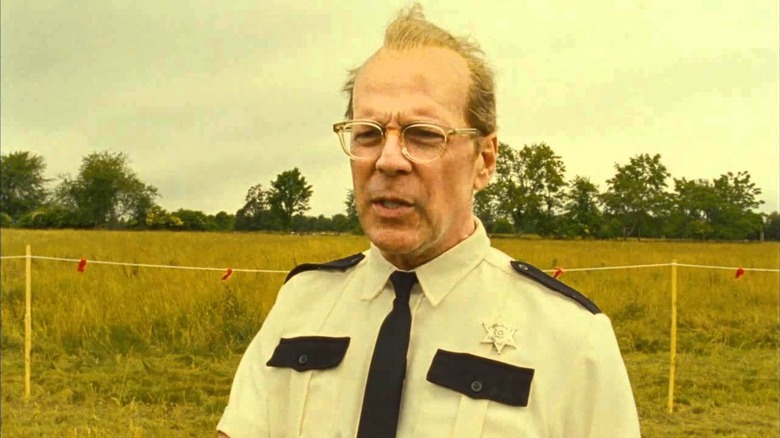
[382,399]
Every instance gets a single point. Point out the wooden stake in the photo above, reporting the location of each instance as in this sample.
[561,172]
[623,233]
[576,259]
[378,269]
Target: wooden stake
[27,322]
[673,343]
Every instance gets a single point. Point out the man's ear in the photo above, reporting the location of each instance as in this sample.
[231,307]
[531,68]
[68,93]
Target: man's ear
[488,155]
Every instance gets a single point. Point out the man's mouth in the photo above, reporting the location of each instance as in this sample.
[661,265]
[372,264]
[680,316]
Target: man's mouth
[394,204]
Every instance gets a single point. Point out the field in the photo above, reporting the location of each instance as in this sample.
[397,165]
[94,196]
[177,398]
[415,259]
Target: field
[137,352]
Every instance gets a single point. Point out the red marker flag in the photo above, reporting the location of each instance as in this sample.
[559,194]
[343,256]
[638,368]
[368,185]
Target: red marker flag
[558,272]
[82,265]
[228,273]
[740,272]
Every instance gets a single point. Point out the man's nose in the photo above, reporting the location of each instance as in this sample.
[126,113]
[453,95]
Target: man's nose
[391,159]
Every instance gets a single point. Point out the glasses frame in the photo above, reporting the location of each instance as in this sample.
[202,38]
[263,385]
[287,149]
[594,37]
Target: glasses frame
[340,127]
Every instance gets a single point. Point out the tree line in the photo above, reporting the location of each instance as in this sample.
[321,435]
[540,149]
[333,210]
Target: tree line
[529,195]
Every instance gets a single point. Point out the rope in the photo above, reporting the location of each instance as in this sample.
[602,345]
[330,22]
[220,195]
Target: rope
[273,271]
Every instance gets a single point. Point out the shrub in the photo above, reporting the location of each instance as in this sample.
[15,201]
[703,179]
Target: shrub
[6,221]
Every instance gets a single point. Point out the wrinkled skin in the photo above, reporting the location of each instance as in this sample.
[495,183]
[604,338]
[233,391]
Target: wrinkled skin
[414,212]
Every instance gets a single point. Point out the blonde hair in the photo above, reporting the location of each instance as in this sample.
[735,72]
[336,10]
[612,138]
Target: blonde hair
[411,30]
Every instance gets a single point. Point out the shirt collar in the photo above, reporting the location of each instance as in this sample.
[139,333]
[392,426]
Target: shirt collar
[437,277]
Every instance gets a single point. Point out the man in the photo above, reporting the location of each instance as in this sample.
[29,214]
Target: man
[430,332]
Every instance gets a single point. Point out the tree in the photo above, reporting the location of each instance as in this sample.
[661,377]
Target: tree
[528,186]
[106,192]
[255,214]
[192,220]
[583,217]
[289,195]
[352,213]
[222,221]
[636,193]
[738,197]
[485,208]
[693,205]
[21,183]
[772,226]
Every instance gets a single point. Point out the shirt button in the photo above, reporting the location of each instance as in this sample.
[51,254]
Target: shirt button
[522,267]
[476,386]
[302,359]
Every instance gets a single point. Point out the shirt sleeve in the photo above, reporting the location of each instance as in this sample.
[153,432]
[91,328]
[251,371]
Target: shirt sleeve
[598,400]
[246,414]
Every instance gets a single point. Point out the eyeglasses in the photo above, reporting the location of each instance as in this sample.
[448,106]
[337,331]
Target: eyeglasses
[420,142]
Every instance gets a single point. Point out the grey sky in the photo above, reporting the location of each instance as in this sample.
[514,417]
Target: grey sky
[210,98]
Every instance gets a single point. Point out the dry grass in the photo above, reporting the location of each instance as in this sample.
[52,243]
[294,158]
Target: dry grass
[139,352]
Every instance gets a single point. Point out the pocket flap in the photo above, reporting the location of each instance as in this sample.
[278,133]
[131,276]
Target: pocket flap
[309,353]
[481,378]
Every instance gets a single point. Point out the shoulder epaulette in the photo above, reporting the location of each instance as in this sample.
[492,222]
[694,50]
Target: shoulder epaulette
[552,283]
[340,264]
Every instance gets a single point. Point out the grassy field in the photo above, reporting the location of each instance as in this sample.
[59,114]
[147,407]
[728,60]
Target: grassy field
[125,351]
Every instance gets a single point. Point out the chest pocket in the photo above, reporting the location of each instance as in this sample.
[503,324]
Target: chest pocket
[309,353]
[304,359]
[482,382]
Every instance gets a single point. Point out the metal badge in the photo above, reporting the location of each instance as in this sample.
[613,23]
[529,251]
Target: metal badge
[499,335]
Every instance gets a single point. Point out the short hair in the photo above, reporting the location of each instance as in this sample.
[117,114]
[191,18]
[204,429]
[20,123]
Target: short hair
[411,30]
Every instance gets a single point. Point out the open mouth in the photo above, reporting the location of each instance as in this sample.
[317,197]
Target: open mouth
[392,203]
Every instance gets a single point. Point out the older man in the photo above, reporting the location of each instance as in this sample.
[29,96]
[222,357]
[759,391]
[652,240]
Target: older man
[430,332]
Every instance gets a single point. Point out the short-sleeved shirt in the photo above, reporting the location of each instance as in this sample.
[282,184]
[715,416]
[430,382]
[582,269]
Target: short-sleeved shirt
[559,372]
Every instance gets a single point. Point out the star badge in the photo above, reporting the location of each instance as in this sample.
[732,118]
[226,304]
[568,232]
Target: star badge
[499,335]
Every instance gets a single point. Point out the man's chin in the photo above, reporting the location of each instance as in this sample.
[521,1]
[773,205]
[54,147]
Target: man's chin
[394,241]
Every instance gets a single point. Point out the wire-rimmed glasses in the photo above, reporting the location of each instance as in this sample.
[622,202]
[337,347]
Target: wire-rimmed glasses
[420,142]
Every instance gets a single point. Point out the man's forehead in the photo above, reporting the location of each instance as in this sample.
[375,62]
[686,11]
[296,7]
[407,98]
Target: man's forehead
[437,72]
[419,63]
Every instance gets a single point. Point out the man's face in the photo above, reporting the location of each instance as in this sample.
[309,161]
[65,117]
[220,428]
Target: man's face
[413,212]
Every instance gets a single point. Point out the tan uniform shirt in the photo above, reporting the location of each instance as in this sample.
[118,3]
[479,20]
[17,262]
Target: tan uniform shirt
[559,372]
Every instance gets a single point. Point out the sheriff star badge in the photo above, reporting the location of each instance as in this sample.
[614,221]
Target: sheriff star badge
[499,335]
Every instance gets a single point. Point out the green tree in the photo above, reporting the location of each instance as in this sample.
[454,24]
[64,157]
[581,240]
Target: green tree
[289,196]
[352,213]
[256,213]
[349,203]
[738,197]
[21,183]
[772,226]
[636,194]
[192,220]
[485,207]
[528,187]
[106,192]
[694,203]
[222,221]
[581,210]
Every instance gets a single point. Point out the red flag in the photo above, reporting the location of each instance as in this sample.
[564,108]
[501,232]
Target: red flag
[82,265]
[228,273]
[740,272]
[558,272]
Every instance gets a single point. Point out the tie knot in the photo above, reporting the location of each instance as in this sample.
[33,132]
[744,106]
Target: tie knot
[403,282]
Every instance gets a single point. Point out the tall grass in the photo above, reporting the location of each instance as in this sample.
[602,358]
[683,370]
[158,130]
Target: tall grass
[135,321]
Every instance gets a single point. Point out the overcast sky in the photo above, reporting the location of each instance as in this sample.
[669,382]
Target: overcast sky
[209,98]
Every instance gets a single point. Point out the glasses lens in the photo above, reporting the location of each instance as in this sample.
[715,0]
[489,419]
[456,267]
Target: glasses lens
[362,140]
[424,142]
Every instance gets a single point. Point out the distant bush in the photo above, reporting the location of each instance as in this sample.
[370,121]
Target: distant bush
[48,217]
[6,221]
[503,226]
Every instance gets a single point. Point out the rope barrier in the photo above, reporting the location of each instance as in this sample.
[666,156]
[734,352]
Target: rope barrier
[146,265]
[727,268]
[273,271]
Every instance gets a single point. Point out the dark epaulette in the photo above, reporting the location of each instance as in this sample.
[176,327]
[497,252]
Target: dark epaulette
[340,264]
[552,283]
